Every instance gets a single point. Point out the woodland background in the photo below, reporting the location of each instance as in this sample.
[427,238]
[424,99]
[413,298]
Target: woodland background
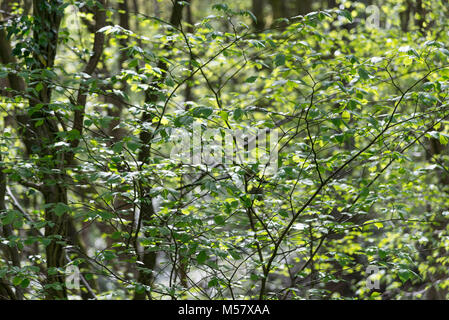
[93,93]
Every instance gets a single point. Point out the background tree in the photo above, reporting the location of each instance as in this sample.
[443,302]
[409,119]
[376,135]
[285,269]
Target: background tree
[105,104]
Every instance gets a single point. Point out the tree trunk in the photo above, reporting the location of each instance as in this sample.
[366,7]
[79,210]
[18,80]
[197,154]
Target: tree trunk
[148,258]
[405,16]
[421,13]
[257,9]
[303,7]
[11,253]
[278,9]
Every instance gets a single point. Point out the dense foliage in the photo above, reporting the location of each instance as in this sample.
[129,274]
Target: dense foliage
[128,163]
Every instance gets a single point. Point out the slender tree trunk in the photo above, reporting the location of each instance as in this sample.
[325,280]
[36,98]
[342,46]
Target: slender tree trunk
[148,258]
[188,92]
[6,293]
[47,17]
[11,253]
[405,16]
[331,4]
[117,109]
[257,9]
[421,13]
[278,9]
[303,7]
[39,140]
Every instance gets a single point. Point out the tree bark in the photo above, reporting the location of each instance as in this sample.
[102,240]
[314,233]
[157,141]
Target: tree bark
[257,9]
[405,16]
[303,7]
[11,253]
[148,258]
[278,9]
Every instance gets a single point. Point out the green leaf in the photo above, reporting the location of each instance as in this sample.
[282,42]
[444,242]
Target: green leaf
[219,220]
[251,79]
[109,255]
[213,283]
[17,280]
[346,115]
[139,288]
[39,122]
[61,208]
[363,73]
[133,145]
[133,63]
[45,241]
[9,218]
[73,134]
[183,120]
[39,87]
[237,114]
[404,275]
[379,225]
[279,60]
[202,112]
[25,283]
[224,115]
[201,257]
[117,147]
[346,14]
